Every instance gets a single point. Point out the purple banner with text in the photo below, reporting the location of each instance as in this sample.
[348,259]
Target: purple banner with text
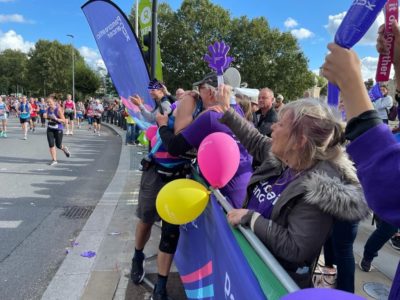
[120,51]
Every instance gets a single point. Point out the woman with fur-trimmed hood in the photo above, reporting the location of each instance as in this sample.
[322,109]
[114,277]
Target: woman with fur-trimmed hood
[304,184]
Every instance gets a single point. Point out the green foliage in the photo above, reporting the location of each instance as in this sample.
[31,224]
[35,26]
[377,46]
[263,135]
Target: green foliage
[46,69]
[13,66]
[265,57]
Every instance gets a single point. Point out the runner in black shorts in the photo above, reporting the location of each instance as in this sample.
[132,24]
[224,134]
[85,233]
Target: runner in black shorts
[54,115]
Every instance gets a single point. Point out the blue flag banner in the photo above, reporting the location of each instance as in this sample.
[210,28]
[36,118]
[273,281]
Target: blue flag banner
[120,50]
[210,261]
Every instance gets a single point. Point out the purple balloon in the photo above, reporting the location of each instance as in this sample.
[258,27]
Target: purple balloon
[218,59]
[375,92]
[318,294]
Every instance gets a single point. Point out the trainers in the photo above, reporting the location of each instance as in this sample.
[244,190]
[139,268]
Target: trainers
[159,295]
[53,162]
[137,271]
[395,242]
[365,265]
[66,151]
[5,134]
[25,137]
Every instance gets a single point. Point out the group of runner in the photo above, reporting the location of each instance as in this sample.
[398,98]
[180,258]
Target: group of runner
[57,113]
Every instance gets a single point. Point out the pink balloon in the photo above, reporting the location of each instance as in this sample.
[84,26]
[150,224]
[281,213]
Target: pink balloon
[218,158]
[153,141]
[151,132]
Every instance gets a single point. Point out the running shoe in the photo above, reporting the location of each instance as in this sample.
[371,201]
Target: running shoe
[137,271]
[1,134]
[66,151]
[5,134]
[33,130]
[395,242]
[365,265]
[159,295]
[25,137]
[53,163]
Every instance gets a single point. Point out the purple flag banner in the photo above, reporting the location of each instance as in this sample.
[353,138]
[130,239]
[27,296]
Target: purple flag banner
[210,261]
[375,92]
[120,50]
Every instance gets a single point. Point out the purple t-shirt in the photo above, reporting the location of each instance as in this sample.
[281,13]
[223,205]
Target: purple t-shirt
[266,192]
[207,123]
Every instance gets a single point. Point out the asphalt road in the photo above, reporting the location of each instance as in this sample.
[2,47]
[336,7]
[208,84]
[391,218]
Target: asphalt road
[34,195]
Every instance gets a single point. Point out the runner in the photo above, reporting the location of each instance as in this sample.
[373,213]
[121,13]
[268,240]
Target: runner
[55,117]
[90,113]
[3,118]
[24,112]
[80,110]
[98,110]
[42,109]
[33,115]
[70,114]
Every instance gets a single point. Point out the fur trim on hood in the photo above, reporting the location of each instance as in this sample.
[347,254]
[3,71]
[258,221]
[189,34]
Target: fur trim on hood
[339,193]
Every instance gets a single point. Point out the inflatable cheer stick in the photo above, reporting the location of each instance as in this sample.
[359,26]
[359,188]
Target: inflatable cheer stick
[355,24]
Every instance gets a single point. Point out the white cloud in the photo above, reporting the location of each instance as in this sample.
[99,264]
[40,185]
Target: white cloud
[93,58]
[12,40]
[290,23]
[302,33]
[368,67]
[15,18]
[368,39]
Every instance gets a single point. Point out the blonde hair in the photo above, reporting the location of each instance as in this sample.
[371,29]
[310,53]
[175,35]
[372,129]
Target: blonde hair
[317,122]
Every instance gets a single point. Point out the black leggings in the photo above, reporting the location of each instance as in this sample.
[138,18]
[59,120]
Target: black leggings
[169,237]
[54,136]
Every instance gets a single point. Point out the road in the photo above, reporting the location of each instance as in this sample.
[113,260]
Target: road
[34,234]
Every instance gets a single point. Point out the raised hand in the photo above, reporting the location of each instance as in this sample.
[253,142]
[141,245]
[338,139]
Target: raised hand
[136,100]
[218,59]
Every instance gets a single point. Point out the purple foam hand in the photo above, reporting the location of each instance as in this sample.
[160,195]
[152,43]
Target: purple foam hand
[218,59]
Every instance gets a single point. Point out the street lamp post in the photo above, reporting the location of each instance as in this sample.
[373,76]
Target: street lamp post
[73,66]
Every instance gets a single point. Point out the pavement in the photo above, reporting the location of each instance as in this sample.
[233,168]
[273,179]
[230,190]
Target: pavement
[109,232]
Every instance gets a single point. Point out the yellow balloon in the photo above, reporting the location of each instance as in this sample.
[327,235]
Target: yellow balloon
[181,201]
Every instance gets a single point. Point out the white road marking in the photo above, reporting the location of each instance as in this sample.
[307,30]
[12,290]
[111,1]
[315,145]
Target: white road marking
[10,224]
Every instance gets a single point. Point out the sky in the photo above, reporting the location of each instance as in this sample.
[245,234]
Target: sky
[313,23]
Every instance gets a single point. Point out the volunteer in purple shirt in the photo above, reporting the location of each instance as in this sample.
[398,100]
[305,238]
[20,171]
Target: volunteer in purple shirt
[375,152]
[205,124]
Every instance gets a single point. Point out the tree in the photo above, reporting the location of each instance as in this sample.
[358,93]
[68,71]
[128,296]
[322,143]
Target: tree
[87,82]
[13,66]
[265,57]
[50,70]
[323,84]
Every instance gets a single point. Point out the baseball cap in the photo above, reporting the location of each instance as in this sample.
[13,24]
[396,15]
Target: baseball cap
[154,84]
[254,100]
[231,77]
[279,97]
[210,78]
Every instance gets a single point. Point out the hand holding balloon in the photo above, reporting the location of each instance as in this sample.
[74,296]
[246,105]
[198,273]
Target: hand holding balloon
[355,24]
